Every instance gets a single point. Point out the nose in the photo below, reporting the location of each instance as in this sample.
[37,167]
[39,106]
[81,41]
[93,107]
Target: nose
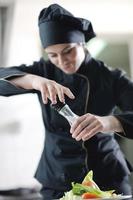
[61,59]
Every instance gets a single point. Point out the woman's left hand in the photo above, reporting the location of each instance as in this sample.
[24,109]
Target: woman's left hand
[86,126]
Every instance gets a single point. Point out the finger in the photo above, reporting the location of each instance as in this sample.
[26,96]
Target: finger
[77,123]
[44,96]
[93,132]
[68,92]
[87,131]
[81,123]
[60,94]
[81,126]
[52,93]
[89,136]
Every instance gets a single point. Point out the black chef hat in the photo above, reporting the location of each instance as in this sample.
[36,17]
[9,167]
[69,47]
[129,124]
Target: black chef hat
[57,25]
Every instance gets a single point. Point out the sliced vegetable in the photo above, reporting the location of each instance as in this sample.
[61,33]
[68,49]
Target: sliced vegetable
[88,189]
[88,183]
[79,189]
[88,180]
[88,195]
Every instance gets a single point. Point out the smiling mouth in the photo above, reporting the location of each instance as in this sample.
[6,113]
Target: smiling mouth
[68,66]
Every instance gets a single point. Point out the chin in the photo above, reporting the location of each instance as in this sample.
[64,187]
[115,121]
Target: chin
[69,71]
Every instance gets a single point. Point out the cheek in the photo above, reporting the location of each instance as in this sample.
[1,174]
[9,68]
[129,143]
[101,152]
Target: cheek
[53,60]
[73,57]
[79,57]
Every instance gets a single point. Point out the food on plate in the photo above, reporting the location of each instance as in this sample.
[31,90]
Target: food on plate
[88,189]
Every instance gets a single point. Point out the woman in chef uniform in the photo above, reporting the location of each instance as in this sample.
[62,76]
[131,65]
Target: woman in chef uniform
[92,90]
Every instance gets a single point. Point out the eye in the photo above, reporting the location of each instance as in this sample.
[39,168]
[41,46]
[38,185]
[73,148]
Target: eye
[67,51]
[52,55]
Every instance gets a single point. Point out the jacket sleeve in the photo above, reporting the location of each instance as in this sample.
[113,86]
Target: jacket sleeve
[123,88]
[7,88]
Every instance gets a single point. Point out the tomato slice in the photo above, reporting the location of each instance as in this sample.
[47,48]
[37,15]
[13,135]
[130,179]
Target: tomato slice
[89,183]
[88,195]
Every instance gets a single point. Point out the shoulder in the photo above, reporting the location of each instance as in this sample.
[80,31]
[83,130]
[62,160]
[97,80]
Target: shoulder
[102,74]
[43,66]
[101,68]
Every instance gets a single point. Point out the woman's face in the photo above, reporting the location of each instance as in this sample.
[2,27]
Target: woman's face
[67,57]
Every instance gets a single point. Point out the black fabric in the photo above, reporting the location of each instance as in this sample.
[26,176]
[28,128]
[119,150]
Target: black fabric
[57,25]
[49,194]
[98,89]
[52,33]
[122,184]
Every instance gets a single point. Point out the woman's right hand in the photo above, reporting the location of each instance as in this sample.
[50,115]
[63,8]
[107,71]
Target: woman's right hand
[49,89]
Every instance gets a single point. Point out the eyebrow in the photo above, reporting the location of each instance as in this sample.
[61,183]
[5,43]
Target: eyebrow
[65,48]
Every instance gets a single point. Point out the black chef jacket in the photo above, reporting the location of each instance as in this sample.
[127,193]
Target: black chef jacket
[98,90]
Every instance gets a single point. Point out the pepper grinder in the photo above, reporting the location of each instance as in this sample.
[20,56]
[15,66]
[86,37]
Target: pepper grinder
[64,110]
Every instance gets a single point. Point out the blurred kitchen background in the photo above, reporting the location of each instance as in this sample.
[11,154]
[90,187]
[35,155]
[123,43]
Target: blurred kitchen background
[21,128]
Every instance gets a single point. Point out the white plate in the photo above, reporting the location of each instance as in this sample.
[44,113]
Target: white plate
[119,197]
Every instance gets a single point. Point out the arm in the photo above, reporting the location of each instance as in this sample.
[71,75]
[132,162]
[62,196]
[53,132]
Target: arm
[88,125]
[23,79]
[49,89]
[6,74]
[124,98]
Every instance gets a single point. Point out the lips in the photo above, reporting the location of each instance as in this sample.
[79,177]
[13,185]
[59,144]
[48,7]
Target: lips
[68,66]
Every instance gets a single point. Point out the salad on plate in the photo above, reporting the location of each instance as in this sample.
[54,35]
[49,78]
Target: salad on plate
[88,189]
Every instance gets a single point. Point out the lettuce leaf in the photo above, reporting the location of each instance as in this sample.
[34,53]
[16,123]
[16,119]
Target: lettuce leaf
[89,177]
[79,189]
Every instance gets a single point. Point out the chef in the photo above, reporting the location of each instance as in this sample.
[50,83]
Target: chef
[92,90]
